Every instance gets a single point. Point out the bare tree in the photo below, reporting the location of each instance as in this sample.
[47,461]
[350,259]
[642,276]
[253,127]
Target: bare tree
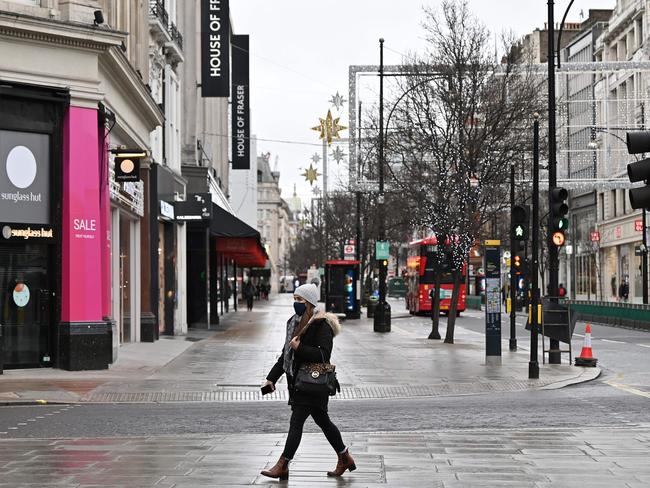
[458,122]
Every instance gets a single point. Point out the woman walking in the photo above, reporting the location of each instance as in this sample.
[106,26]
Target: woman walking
[309,339]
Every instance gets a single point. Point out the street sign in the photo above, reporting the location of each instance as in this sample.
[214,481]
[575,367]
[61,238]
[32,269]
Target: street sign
[382,250]
[569,250]
[638,251]
[492,260]
[349,252]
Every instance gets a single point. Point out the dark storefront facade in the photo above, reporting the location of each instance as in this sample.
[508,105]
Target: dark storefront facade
[219,247]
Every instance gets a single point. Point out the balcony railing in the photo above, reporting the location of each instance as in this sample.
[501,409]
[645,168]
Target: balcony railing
[177,37]
[157,8]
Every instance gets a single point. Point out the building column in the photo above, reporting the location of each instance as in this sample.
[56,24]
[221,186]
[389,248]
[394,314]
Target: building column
[84,337]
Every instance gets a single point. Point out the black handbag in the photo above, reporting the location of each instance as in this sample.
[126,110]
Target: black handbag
[317,378]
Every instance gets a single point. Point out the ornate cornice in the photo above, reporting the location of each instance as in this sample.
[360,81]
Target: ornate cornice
[47,31]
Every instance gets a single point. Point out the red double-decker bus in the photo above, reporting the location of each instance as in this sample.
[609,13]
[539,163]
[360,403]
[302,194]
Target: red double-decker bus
[420,277]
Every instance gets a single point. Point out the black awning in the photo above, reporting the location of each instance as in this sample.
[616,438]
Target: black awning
[225,224]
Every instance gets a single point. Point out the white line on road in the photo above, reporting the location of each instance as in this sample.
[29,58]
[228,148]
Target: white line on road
[644,345]
[615,342]
[576,334]
[626,388]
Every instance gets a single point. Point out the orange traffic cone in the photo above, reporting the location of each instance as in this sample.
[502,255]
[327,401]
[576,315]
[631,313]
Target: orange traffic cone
[586,357]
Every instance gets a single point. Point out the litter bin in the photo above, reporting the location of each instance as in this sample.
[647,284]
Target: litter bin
[372,303]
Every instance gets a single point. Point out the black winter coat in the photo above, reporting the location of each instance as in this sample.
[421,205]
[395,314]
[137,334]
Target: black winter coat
[317,337]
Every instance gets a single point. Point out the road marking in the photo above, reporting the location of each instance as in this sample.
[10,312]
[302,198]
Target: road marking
[626,388]
[3,433]
[644,345]
[614,342]
[576,334]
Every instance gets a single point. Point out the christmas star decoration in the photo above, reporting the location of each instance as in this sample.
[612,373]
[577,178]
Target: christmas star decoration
[315,158]
[311,174]
[338,155]
[329,128]
[337,100]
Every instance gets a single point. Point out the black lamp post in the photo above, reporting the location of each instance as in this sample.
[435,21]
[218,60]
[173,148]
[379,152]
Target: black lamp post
[553,255]
[382,311]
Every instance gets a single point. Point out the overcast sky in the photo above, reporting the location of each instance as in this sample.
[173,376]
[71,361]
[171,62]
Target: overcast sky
[301,51]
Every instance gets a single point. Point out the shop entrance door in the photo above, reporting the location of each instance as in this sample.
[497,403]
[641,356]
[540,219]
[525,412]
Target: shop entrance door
[26,304]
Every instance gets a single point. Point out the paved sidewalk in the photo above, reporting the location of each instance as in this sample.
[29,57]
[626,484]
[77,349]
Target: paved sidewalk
[229,365]
[536,458]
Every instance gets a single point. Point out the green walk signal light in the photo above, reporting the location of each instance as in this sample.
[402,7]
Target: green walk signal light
[639,142]
[558,210]
[519,228]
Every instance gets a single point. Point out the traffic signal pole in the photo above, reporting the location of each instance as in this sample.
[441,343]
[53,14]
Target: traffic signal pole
[513,276]
[553,255]
[533,365]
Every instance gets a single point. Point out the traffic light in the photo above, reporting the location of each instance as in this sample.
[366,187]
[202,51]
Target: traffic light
[517,262]
[519,219]
[559,209]
[639,142]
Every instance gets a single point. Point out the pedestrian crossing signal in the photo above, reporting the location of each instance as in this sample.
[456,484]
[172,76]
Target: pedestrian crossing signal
[519,223]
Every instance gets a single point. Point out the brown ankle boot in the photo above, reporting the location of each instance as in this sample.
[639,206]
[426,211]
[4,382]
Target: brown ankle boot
[280,470]
[345,462]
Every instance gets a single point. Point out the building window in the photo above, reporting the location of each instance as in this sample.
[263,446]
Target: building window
[613,203]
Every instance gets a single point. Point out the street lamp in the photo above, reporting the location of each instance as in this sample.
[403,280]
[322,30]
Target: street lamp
[381,322]
[382,317]
[553,255]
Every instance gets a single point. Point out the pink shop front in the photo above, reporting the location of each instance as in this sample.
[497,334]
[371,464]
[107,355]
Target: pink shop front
[55,281]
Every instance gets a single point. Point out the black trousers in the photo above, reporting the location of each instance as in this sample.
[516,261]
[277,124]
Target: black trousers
[322,419]
[249,303]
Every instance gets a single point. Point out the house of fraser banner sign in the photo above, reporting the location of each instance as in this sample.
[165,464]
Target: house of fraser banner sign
[215,48]
[240,103]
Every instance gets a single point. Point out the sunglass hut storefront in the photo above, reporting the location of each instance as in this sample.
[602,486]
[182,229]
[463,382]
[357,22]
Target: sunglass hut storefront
[51,248]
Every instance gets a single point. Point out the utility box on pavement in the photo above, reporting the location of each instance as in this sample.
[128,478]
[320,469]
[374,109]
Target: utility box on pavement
[341,288]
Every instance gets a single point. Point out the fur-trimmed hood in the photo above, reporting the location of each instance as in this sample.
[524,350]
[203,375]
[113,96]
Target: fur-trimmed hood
[329,318]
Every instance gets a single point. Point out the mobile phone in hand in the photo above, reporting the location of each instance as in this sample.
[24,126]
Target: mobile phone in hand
[267,389]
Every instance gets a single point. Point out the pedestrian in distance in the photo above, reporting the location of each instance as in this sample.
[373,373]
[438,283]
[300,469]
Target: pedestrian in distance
[249,293]
[624,290]
[561,291]
[309,339]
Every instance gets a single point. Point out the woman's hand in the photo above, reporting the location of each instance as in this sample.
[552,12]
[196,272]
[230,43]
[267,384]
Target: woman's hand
[295,342]
[269,382]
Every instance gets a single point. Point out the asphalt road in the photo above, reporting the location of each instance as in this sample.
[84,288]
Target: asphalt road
[620,397]
[594,404]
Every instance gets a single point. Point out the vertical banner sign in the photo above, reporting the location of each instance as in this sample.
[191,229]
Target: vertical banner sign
[241,131]
[492,267]
[215,48]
